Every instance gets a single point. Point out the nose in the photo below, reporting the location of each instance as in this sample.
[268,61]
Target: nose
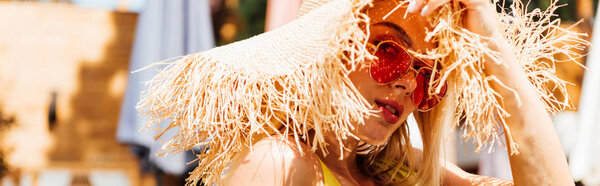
[406,84]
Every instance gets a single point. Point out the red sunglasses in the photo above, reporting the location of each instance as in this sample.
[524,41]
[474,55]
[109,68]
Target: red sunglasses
[393,62]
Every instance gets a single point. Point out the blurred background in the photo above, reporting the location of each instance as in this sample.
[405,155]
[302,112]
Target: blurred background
[67,94]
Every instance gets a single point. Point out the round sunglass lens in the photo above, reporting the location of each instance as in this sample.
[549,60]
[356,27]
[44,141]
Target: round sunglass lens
[421,98]
[391,63]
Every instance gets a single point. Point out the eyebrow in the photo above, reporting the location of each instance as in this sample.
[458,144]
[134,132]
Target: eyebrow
[401,33]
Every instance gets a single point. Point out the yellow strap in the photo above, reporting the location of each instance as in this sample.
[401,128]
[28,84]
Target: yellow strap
[403,170]
[328,178]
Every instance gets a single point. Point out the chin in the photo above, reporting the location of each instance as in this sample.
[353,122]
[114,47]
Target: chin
[374,132]
[374,142]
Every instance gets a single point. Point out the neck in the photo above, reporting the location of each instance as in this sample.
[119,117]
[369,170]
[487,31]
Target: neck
[340,160]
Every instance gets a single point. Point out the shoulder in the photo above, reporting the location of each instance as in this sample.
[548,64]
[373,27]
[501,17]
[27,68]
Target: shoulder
[277,161]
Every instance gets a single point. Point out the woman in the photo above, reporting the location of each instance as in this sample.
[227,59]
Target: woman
[290,167]
[355,145]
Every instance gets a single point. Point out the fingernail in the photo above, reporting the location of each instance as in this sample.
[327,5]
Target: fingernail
[411,6]
[424,10]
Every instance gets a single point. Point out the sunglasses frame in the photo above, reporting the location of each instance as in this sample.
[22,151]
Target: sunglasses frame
[410,67]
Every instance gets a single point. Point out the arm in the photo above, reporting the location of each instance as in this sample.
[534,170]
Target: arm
[272,161]
[281,12]
[541,159]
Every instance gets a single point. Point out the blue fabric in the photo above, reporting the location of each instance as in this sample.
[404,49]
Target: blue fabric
[132,5]
[165,29]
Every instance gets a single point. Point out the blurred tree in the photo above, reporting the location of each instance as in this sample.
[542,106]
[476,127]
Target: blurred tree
[570,10]
[5,124]
[235,20]
[252,13]
[566,13]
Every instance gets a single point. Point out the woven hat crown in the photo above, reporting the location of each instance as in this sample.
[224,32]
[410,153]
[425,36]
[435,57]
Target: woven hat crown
[309,5]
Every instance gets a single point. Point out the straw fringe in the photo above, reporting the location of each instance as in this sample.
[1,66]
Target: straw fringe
[536,37]
[226,104]
[284,85]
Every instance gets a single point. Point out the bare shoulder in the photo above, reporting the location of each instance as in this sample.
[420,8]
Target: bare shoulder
[277,161]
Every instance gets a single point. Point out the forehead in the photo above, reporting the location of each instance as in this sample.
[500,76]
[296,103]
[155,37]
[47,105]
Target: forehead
[413,24]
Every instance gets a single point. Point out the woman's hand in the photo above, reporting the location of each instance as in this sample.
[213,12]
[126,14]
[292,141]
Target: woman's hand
[480,16]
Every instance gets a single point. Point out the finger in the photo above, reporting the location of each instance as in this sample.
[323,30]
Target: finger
[432,5]
[415,6]
[474,3]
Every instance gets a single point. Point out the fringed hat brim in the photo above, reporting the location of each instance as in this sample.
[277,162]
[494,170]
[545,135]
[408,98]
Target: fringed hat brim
[285,82]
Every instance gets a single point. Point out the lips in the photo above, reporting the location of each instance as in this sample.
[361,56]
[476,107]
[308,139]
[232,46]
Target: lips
[390,110]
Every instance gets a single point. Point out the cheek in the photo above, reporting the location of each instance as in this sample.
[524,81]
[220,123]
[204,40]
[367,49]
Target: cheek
[409,106]
[363,83]
[376,131]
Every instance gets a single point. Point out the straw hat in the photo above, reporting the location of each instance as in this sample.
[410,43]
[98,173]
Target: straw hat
[295,79]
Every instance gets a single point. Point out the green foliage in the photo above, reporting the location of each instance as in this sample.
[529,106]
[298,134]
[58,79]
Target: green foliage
[252,13]
[567,12]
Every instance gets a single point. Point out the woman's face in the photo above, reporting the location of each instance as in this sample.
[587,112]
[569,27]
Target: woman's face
[392,101]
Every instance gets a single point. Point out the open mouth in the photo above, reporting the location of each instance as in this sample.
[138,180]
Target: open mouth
[390,110]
